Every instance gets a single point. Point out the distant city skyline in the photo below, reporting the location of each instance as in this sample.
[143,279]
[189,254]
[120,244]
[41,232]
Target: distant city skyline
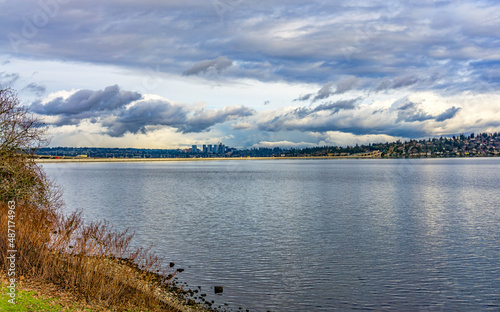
[167,74]
[471,145]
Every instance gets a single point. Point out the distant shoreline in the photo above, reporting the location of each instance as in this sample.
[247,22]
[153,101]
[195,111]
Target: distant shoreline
[64,160]
[121,160]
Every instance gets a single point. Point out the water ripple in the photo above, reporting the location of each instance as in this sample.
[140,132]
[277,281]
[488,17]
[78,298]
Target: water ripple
[392,235]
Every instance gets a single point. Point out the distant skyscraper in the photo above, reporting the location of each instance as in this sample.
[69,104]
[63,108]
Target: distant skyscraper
[205,149]
[194,149]
[210,150]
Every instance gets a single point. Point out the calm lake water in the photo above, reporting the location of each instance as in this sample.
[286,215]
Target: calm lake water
[310,235]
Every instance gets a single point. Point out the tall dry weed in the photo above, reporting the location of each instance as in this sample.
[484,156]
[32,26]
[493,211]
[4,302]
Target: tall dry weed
[94,261]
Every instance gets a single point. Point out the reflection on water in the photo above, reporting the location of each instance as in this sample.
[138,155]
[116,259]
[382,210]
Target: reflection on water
[304,235]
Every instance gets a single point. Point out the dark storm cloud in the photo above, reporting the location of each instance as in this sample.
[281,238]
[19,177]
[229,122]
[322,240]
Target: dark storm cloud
[218,64]
[85,104]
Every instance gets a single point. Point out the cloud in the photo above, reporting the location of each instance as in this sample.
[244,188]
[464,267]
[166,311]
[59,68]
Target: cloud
[219,64]
[36,89]
[408,111]
[404,81]
[328,89]
[304,97]
[331,107]
[325,91]
[334,107]
[136,118]
[413,116]
[85,104]
[283,144]
[120,112]
[448,114]
[87,101]
[293,41]
[346,84]
[362,122]
[307,118]
[202,120]
[424,78]
[242,126]
[142,114]
[8,79]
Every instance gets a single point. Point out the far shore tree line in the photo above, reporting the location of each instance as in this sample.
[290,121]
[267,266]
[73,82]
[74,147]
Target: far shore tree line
[472,145]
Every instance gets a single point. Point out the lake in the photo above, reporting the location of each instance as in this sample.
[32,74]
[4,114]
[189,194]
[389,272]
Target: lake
[310,235]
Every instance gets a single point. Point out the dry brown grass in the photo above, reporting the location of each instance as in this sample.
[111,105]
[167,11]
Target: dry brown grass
[92,261]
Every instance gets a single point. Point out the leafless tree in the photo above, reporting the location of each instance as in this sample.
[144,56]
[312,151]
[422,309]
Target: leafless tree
[18,128]
[21,134]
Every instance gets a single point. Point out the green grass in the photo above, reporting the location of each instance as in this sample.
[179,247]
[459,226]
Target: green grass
[29,301]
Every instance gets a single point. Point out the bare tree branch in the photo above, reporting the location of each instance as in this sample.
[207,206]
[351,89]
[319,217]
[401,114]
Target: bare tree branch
[20,135]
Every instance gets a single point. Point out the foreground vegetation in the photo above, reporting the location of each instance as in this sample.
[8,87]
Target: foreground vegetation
[38,243]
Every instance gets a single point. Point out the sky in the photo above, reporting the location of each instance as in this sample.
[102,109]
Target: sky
[169,74]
